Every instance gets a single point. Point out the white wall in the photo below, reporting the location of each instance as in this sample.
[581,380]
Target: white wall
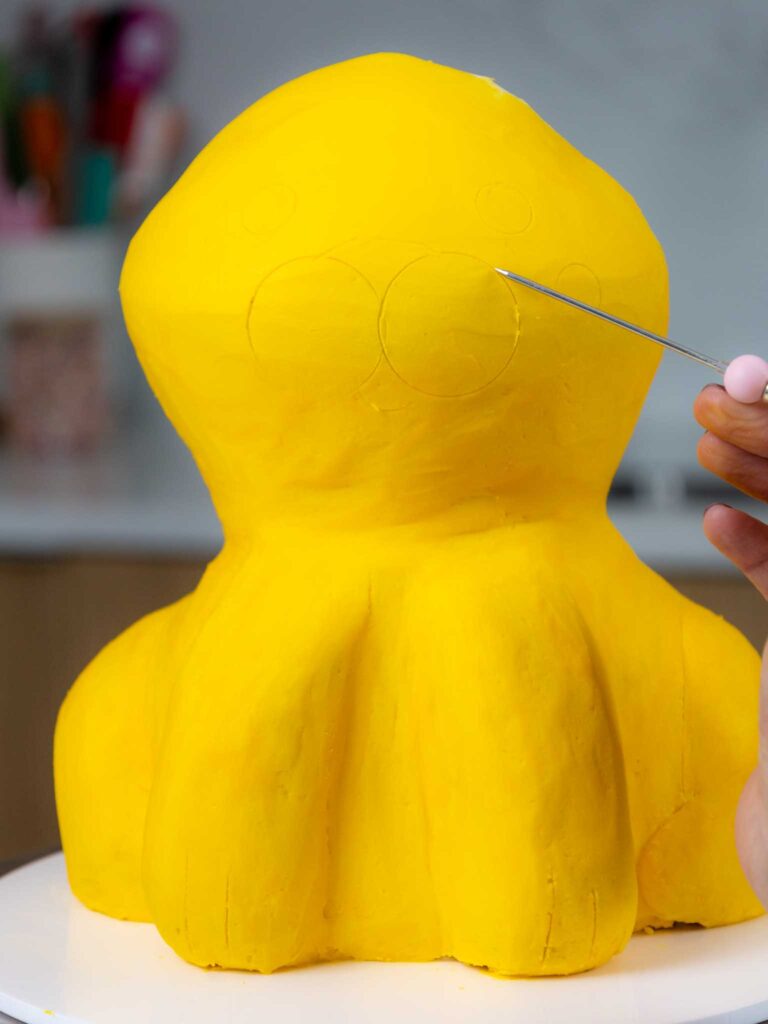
[670,97]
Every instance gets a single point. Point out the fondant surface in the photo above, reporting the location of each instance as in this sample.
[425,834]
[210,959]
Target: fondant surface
[426,702]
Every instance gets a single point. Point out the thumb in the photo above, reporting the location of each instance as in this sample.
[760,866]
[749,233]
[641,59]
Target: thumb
[752,813]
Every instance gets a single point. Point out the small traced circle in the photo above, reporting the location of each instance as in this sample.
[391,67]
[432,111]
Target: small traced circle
[268,209]
[578,281]
[505,208]
[312,326]
[449,324]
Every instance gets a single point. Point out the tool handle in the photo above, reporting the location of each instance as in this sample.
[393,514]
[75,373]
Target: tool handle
[746,379]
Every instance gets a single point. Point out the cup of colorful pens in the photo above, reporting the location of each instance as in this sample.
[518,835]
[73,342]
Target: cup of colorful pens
[89,139]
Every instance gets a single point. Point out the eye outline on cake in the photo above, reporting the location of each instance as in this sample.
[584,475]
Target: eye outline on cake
[494,220]
[261,362]
[562,284]
[392,362]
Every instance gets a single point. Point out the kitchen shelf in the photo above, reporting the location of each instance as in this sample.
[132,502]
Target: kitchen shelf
[141,495]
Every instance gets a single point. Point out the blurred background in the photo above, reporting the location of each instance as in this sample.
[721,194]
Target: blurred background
[102,515]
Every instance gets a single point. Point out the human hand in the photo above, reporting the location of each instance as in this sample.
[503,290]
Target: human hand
[735,448]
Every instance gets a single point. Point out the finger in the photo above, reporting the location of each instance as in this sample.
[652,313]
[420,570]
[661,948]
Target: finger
[752,834]
[745,426]
[742,539]
[742,469]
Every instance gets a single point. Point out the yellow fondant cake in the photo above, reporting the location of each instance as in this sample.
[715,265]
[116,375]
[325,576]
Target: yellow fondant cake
[426,702]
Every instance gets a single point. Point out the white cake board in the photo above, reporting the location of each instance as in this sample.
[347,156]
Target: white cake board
[63,964]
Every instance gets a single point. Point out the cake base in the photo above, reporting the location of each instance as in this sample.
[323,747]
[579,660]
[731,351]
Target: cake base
[60,962]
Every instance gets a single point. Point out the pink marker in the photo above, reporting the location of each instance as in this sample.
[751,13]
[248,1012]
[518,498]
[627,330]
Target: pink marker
[745,378]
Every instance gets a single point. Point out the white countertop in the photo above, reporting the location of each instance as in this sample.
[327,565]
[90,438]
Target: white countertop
[142,496]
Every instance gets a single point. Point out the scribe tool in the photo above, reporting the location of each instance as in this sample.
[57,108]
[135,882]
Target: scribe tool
[745,378]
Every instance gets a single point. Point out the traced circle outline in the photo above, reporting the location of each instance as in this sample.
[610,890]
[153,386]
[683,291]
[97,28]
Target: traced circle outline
[301,259]
[590,273]
[494,222]
[513,296]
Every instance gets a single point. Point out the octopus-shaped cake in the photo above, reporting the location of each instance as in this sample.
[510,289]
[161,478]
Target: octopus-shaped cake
[426,701]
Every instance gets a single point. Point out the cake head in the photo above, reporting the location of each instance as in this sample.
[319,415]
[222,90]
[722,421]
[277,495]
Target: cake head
[316,307]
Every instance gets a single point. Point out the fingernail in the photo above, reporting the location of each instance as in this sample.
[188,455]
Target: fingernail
[712,384]
[717,504]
